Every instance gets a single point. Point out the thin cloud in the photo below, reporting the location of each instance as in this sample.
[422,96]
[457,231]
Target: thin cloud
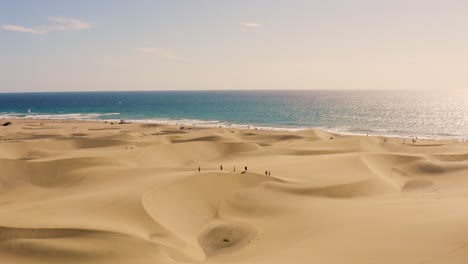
[55,24]
[252,25]
[68,24]
[20,29]
[159,52]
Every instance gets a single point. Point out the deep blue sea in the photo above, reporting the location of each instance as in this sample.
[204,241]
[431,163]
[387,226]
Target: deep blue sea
[391,113]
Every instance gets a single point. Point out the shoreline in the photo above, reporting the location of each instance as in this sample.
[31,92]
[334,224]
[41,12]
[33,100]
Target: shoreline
[217,124]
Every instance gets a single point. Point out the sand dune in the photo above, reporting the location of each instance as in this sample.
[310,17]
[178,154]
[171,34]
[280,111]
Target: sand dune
[95,192]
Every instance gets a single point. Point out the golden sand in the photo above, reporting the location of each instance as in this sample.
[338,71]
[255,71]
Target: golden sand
[92,192]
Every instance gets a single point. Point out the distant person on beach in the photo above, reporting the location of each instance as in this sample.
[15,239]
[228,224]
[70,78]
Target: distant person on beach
[269,173]
[266,172]
[234,168]
[221,167]
[245,170]
[198,168]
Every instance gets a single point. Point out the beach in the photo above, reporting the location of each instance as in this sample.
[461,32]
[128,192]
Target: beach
[103,192]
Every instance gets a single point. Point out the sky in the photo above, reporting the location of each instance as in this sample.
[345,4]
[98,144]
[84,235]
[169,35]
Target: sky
[105,45]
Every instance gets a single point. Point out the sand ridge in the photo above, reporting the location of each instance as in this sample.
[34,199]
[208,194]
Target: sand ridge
[95,192]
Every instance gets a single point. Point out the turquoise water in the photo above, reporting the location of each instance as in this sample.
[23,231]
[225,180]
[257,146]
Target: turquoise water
[424,114]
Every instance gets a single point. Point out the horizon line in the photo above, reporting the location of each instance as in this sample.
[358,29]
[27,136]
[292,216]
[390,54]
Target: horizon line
[220,90]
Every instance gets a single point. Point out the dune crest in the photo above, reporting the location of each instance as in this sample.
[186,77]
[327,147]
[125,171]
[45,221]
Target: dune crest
[92,192]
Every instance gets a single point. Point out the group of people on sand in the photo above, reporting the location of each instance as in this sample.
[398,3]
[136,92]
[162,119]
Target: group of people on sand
[267,172]
[414,140]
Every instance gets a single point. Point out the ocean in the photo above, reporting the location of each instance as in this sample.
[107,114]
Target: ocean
[386,113]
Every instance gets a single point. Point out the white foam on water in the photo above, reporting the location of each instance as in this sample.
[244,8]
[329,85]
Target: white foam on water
[224,124]
[180,122]
[72,116]
[390,134]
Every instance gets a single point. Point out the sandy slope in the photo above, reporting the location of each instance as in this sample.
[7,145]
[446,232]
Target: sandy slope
[84,192]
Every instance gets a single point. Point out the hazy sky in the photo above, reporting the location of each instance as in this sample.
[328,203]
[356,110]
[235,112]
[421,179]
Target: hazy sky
[167,45]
